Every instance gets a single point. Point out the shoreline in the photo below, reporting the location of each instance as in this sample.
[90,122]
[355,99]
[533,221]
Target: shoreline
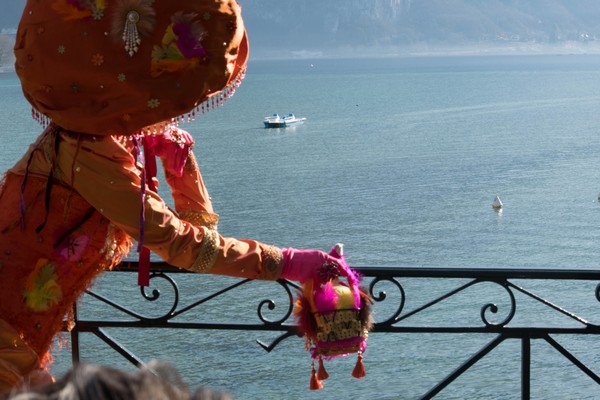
[424,50]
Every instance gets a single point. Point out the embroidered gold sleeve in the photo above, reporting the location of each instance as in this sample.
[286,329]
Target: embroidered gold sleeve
[200,218]
[208,251]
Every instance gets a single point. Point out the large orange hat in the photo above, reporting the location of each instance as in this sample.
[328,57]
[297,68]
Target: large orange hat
[120,66]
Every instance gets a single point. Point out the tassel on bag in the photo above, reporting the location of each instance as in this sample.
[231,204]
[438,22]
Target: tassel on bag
[359,368]
[322,375]
[315,383]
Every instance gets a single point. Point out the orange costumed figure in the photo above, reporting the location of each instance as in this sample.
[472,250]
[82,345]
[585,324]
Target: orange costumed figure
[110,80]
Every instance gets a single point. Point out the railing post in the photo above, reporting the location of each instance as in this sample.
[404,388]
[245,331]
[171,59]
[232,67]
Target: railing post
[75,337]
[526,367]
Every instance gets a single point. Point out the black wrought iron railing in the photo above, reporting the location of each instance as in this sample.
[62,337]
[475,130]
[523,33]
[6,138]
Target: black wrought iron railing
[525,305]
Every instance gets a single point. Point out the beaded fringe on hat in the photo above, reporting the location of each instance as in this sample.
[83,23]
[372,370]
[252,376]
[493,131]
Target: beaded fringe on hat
[213,102]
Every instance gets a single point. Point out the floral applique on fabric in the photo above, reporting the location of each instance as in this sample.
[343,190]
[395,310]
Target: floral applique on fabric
[97,59]
[73,248]
[181,46]
[41,288]
[79,9]
[153,103]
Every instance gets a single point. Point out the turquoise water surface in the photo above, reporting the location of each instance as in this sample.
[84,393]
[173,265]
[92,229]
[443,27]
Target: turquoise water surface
[399,159]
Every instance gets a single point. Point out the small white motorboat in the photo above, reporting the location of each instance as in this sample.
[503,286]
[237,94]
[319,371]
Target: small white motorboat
[497,203]
[276,121]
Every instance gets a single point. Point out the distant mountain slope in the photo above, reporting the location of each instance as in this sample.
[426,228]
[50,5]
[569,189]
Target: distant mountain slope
[334,24]
[326,26]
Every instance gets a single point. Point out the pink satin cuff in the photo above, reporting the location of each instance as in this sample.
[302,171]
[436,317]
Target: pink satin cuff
[302,265]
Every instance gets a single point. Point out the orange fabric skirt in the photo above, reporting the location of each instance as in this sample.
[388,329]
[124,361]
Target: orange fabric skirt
[44,272]
[18,361]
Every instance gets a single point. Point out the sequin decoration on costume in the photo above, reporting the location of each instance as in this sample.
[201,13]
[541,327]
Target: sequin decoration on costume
[132,20]
[200,218]
[208,251]
[272,261]
[41,289]
[181,46]
[79,9]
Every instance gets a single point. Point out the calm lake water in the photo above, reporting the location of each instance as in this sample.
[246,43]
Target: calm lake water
[399,159]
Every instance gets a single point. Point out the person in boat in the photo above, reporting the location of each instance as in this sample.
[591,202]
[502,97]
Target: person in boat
[110,81]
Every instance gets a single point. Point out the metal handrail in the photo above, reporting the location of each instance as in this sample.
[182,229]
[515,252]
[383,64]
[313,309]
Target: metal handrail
[397,320]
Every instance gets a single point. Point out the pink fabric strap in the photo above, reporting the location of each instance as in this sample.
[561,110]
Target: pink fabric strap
[148,179]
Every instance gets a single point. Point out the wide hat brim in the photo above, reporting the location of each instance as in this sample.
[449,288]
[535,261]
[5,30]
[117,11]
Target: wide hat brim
[108,67]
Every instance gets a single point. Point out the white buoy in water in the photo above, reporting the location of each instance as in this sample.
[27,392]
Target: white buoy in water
[497,204]
[339,248]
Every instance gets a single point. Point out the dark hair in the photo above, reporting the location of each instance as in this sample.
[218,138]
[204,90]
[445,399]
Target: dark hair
[156,381]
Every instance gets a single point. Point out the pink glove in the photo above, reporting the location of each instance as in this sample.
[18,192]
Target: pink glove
[172,146]
[302,265]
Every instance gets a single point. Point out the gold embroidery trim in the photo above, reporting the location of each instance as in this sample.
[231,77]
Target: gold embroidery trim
[208,251]
[191,165]
[200,218]
[272,262]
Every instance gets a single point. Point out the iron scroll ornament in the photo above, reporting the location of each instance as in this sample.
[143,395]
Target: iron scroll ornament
[156,295]
[397,315]
[271,304]
[382,296]
[493,308]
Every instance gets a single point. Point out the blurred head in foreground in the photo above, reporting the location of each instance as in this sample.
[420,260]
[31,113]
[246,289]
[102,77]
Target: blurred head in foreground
[157,380]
